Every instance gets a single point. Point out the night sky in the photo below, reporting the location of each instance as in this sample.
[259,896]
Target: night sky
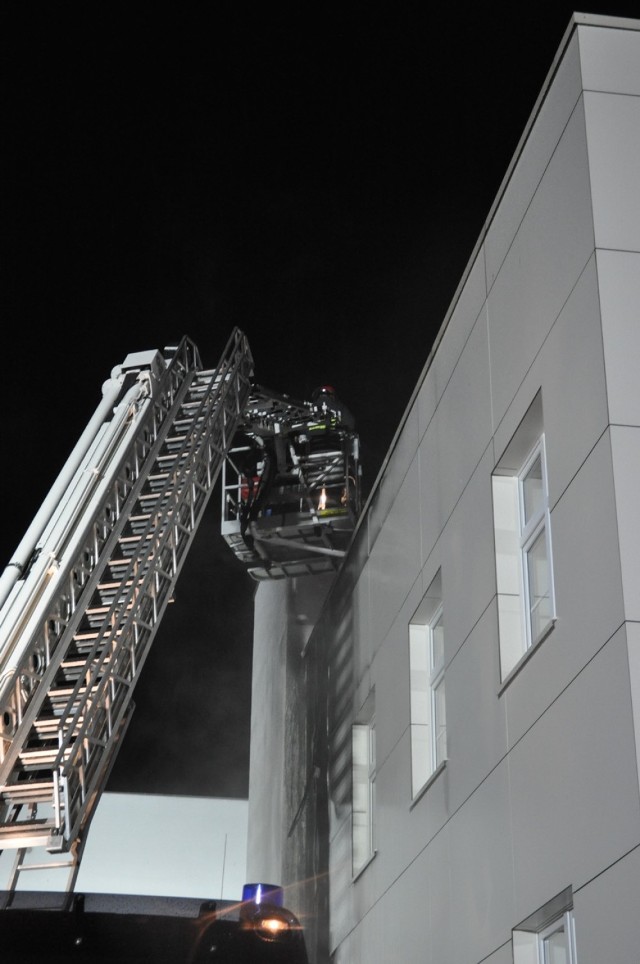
[316,175]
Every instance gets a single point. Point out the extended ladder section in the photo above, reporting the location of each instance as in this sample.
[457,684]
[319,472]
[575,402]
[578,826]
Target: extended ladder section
[82,599]
[291,485]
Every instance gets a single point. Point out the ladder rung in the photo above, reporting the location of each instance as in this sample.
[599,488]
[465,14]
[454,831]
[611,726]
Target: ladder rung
[20,837]
[27,792]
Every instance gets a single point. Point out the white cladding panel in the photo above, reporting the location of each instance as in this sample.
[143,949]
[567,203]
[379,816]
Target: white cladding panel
[476,718]
[431,517]
[468,560]
[613,896]
[463,418]
[393,475]
[555,111]
[454,337]
[570,370]
[362,636]
[625,448]
[633,642]
[574,795]
[613,123]
[609,59]
[619,282]
[391,664]
[395,558]
[398,915]
[550,249]
[481,868]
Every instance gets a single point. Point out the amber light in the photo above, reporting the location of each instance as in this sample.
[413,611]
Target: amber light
[274,926]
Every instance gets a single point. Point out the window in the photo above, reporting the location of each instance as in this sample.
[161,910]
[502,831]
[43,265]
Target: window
[427,700]
[363,770]
[556,943]
[548,936]
[522,530]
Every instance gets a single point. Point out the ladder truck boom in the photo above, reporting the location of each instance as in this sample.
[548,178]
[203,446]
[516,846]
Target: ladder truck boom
[83,595]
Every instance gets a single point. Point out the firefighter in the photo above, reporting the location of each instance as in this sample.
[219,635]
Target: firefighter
[327,403]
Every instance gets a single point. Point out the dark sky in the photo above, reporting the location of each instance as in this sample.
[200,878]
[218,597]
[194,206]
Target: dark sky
[316,175]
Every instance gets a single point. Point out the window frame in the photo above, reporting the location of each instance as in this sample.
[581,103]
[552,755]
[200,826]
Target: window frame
[427,691]
[436,682]
[530,531]
[363,833]
[522,523]
[567,922]
[529,940]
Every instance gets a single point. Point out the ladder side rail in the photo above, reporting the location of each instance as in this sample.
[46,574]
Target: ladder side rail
[63,592]
[83,493]
[99,708]
[185,354]
[107,639]
[15,698]
[86,736]
[187,458]
[175,491]
[20,558]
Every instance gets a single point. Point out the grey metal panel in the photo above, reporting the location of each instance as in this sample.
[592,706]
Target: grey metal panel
[468,558]
[397,841]
[357,555]
[625,450]
[549,251]
[425,403]
[619,281]
[426,819]
[613,138]
[633,644]
[531,164]
[430,517]
[395,558]
[482,884]
[442,919]
[573,782]
[503,955]
[574,409]
[399,908]
[610,59]
[390,673]
[570,369]
[463,319]
[606,914]
[393,474]
[463,419]
[361,635]
[476,718]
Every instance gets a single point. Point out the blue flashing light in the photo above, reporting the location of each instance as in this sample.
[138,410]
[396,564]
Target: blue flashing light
[263,894]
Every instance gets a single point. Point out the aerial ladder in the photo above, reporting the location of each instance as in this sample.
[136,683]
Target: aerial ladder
[83,596]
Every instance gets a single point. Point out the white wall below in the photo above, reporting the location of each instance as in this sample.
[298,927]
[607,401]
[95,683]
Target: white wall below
[166,846]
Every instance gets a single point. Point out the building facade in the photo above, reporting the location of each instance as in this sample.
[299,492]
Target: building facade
[454,721]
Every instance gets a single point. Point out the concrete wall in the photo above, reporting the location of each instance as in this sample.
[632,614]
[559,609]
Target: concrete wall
[288,838]
[540,790]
